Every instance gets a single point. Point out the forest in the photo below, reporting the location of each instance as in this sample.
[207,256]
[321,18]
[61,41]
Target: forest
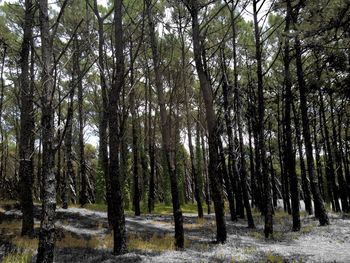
[174,131]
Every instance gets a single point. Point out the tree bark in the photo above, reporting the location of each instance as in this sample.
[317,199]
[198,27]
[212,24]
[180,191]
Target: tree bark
[117,204]
[103,150]
[268,210]
[69,172]
[289,151]
[166,142]
[82,165]
[47,226]
[318,201]
[212,125]
[135,139]
[26,143]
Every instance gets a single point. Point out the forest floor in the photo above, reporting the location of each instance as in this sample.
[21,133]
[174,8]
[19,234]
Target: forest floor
[83,236]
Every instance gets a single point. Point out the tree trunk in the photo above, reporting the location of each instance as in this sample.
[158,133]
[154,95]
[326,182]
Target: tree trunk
[117,204]
[304,181]
[26,143]
[212,125]
[69,172]
[103,150]
[268,211]
[135,139]
[230,182]
[330,173]
[205,171]
[289,151]
[338,157]
[2,91]
[166,142]
[151,149]
[318,201]
[47,226]
[82,165]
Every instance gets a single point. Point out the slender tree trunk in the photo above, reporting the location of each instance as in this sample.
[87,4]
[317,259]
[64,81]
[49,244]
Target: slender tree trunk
[166,142]
[318,201]
[338,163]
[135,139]
[2,91]
[243,171]
[330,172]
[304,181]
[47,226]
[194,171]
[205,171]
[117,204]
[252,167]
[69,172]
[26,143]
[212,125]
[289,151]
[103,150]
[319,167]
[230,182]
[227,182]
[82,165]
[268,211]
[151,149]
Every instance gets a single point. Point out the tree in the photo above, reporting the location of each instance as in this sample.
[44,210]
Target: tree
[26,144]
[289,151]
[117,205]
[47,227]
[212,125]
[166,147]
[319,205]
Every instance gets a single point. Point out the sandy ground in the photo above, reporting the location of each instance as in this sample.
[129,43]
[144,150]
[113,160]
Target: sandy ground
[312,244]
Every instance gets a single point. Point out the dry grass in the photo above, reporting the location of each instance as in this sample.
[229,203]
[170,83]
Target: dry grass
[73,241]
[24,257]
[25,242]
[199,223]
[137,242]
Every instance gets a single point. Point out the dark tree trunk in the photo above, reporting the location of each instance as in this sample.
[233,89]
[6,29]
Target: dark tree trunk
[103,150]
[227,182]
[26,143]
[69,171]
[268,210]
[252,166]
[135,139]
[2,91]
[273,173]
[318,201]
[289,151]
[205,170]
[212,125]
[166,142]
[117,204]
[319,166]
[304,181]
[238,93]
[47,226]
[338,163]
[330,172]
[230,182]
[194,171]
[82,165]
[151,149]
